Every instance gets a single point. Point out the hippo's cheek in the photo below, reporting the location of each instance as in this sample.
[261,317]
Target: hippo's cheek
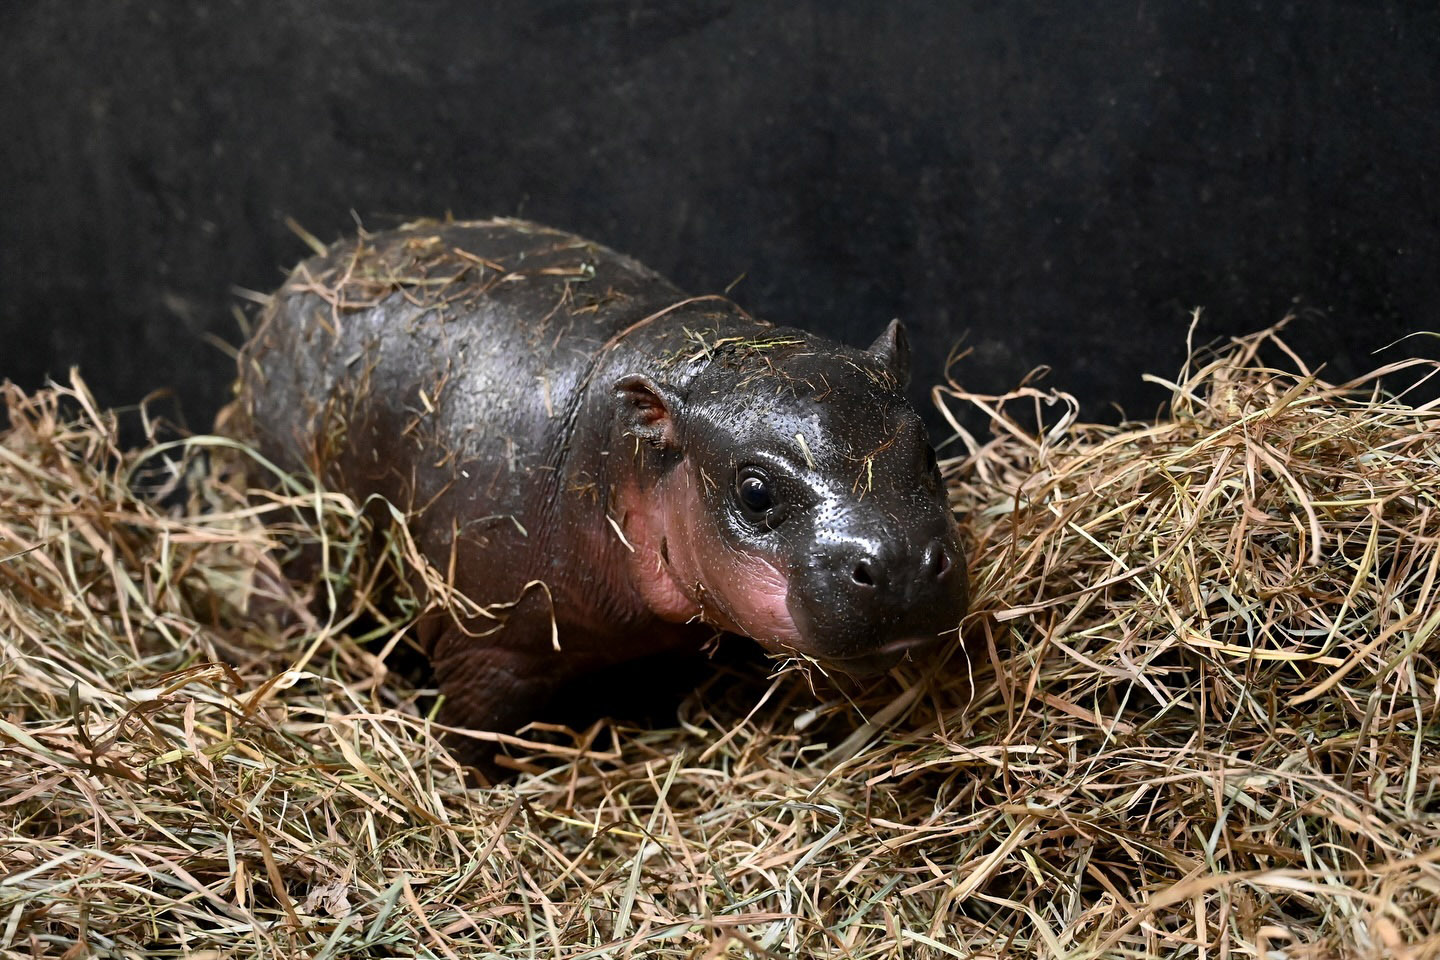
[752,596]
[684,569]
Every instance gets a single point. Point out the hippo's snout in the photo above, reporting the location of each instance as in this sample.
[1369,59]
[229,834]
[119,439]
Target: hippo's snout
[898,575]
[861,607]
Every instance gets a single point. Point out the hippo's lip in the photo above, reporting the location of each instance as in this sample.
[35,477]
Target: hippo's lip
[905,644]
[868,664]
[881,659]
[895,649]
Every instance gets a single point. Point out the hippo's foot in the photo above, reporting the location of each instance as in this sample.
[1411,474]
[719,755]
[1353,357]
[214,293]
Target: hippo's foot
[491,688]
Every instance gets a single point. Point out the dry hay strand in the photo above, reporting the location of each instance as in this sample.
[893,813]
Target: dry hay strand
[1195,717]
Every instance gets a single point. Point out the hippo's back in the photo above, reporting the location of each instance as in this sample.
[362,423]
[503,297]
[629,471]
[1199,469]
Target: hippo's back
[440,362]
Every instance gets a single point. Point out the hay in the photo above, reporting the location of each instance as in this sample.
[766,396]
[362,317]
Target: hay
[1201,720]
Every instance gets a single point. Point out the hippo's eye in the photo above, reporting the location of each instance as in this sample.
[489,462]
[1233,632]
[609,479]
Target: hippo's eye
[752,490]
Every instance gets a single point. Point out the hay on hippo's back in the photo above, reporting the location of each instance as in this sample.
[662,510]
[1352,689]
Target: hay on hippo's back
[1201,713]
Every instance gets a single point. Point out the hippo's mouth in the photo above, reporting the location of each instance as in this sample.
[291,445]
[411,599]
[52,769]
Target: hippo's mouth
[881,659]
[904,645]
[868,664]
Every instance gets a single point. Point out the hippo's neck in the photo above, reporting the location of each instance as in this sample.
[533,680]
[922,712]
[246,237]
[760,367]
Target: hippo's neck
[615,497]
[646,516]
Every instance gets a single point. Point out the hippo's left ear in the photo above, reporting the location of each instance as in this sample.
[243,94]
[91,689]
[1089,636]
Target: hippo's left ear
[892,348]
[649,410]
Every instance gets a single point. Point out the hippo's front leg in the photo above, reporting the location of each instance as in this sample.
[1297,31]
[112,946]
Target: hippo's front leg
[496,683]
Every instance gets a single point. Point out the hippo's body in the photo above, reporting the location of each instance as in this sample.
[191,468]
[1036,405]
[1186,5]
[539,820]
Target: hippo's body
[612,468]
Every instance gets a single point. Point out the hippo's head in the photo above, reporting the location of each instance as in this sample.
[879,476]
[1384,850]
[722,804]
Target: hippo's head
[800,502]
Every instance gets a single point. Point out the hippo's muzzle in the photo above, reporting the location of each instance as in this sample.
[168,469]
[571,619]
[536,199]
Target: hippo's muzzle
[863,604]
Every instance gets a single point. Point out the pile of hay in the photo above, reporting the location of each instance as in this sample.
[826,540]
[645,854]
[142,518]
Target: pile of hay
[1196,716]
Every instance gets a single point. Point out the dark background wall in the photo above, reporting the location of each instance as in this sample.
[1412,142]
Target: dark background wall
[1060,182]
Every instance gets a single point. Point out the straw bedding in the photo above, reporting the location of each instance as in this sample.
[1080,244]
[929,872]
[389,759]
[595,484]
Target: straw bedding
[1194,716]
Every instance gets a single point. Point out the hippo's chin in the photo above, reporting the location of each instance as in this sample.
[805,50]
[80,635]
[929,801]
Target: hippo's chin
[885,657]
[861,665]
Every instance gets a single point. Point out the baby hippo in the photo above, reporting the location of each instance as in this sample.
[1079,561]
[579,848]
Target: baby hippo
[602,466]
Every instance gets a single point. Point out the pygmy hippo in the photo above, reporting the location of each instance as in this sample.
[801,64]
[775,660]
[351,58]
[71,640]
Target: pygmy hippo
[603,466]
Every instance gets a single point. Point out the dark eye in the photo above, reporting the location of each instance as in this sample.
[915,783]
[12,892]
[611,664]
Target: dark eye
[752,489]
[930,464]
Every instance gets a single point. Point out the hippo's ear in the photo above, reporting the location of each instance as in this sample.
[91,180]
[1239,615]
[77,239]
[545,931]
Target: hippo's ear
[649,410]
[892,348]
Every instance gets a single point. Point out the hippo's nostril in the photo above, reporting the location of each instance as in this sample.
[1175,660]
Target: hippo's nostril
[935,560]
[864,573]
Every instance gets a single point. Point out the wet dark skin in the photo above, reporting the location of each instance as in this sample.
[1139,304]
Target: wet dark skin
[546,411]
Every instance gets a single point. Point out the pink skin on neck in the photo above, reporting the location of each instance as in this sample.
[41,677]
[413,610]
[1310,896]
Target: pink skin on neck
[697,575]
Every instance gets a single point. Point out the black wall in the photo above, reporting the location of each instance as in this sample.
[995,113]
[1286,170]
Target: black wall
[1061,182]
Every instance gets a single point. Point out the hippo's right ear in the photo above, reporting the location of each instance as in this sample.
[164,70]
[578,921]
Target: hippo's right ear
[892,348]
[649,410]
